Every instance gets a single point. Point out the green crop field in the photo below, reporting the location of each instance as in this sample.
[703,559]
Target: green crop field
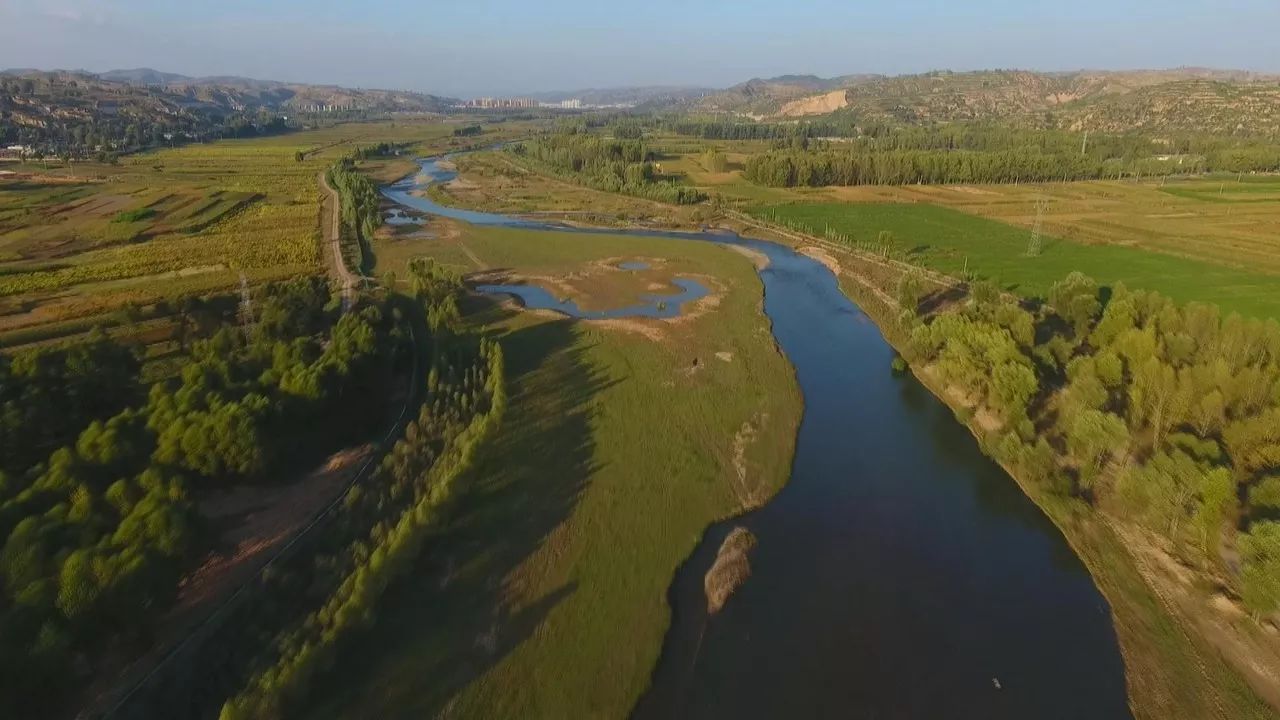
[951,241]
[548,599]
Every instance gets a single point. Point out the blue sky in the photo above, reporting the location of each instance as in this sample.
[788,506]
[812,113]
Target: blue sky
[471,47]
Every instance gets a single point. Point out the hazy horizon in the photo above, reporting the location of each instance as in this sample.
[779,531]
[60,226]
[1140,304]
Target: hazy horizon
[498,47]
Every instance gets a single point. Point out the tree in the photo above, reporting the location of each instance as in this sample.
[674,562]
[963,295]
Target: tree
[1075,300]
[1260,561]
[1093,437]
[910,290]
[716,161]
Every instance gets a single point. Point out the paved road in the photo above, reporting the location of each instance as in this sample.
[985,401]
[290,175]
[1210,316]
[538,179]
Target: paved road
[333,239]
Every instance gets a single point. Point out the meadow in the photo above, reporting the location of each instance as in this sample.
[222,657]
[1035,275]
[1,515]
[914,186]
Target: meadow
[623,441]
[955,242]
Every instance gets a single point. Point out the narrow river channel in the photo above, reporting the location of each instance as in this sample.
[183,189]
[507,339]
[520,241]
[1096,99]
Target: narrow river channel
[899,574]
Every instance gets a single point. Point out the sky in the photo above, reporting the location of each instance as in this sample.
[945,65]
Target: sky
[465,48]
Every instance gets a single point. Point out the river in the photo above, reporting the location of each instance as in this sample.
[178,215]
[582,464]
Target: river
[899,574]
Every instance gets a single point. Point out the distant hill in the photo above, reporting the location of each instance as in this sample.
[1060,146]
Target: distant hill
[766,96]
[1198,104]
[142,76]
[123,109]
[1112,101]
[653,95]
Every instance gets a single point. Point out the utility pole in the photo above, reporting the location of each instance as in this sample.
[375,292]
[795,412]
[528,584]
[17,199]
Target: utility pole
[1035,243]
[1085,142]
[246,307]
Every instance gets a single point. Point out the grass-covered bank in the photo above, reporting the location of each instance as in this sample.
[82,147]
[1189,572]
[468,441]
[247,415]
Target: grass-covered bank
[623,441]
[1172,669]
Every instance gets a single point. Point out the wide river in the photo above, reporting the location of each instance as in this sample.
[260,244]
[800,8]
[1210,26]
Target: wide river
[899,574]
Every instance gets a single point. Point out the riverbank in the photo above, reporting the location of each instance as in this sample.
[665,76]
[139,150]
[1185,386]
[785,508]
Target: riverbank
[548,597]
[1172,670]
[1159,685]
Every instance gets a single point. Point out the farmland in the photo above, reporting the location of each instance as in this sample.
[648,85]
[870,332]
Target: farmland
[84,239]
[953,242]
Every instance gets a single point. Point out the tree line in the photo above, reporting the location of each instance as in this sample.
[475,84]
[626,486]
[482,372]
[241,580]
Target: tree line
[717,129]
[867,166]
[97,498]
[612,165]
[1167,416]
[384,524]
[360,213]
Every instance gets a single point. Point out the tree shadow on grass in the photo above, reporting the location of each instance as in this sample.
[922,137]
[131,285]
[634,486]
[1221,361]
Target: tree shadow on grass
[455,617]
[938,299]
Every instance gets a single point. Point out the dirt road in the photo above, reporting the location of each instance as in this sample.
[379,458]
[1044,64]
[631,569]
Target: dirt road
[332,241]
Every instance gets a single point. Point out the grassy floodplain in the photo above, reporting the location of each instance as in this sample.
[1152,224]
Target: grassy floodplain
[548,599]
[952,242]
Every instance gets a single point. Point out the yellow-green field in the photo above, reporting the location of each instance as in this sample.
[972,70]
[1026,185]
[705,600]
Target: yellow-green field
[78,241]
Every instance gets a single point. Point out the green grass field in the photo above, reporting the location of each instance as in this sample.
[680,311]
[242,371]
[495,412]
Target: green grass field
[548,598]
[951,241]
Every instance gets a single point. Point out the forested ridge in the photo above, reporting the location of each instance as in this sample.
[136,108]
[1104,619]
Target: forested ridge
[97,509]
[1166,416]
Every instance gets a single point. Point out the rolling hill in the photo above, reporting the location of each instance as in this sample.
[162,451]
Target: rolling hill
[1184,99]
[57,108]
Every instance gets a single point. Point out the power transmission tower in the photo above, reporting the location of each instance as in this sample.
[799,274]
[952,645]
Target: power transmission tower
[246,307]
[1035,243]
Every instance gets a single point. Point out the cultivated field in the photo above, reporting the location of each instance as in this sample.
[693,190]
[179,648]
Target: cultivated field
[953,242]
[78,242]
[1213,239]
[623,441]
[1225,221]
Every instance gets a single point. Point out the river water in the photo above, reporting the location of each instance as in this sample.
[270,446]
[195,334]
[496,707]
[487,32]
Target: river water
[899,574]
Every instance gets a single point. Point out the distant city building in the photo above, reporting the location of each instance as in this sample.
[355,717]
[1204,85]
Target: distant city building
[501,103]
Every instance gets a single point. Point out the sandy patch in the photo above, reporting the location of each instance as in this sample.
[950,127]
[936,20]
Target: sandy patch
[1219,619]
[725,356]
[759,259]
[823,257]
[970,190]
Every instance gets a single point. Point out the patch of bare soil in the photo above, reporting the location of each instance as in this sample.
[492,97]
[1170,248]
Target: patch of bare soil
[823,257]
[970,190]
[1251,647]
[816,105]
[730,570]
[759,259]
[255,519]
[749,497]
